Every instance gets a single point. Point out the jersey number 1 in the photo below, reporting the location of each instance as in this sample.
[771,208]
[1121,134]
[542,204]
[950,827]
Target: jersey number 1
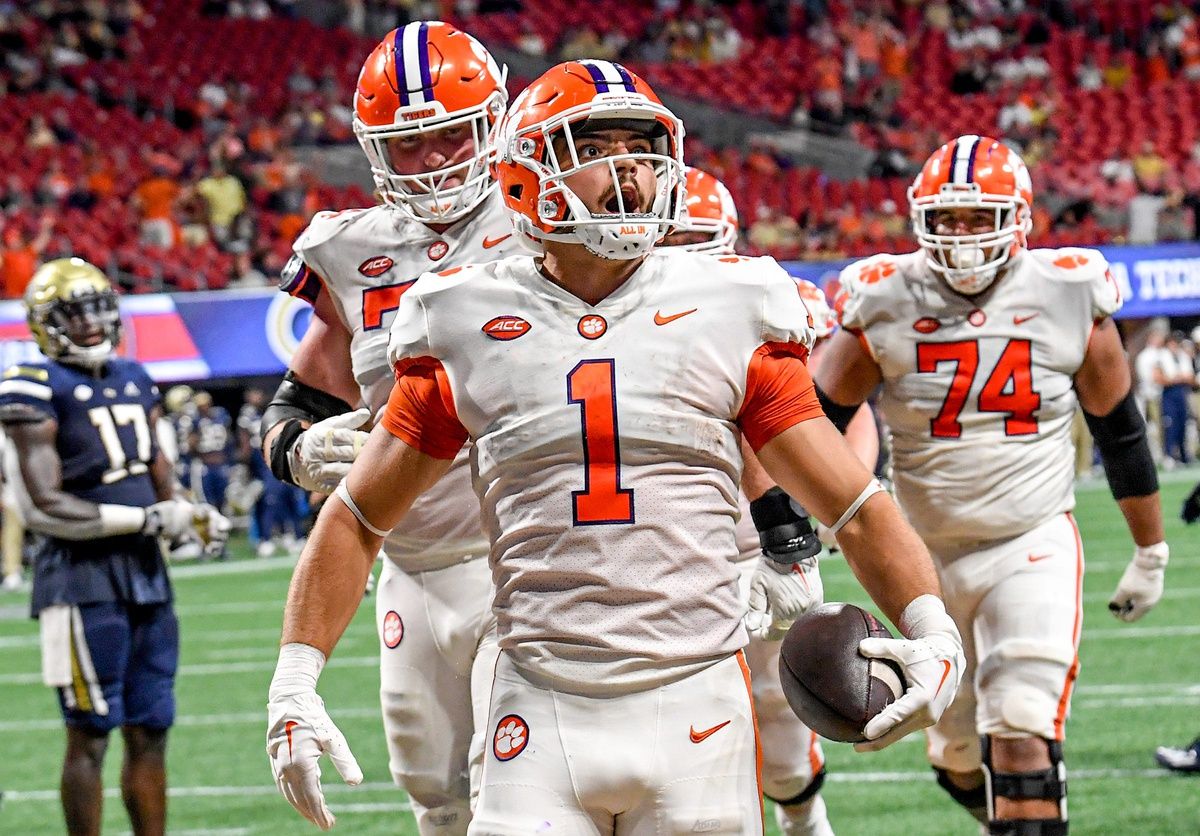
[1008,389]
[592,385]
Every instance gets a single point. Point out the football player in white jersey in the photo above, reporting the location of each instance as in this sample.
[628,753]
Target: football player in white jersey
[983,349]
[793,764]
[606,422]
[427,106]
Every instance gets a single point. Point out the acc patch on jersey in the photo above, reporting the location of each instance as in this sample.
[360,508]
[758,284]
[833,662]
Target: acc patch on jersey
[511,737]
[393,630]
[376,265]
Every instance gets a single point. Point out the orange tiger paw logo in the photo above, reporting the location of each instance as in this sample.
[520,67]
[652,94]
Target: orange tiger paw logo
[876,272]
[1070,262]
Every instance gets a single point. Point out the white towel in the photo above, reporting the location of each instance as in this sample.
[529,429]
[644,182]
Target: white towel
[55,624]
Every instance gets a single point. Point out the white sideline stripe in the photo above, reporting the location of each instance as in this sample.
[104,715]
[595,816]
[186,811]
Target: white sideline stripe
[191,720]
[14,796]
[208,670]
[232,567]
[1142,632]
[1129,696]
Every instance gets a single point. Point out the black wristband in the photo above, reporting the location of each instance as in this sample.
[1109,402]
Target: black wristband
[281,465]
[785,536]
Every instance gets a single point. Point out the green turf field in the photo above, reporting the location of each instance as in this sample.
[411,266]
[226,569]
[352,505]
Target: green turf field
[1139,687]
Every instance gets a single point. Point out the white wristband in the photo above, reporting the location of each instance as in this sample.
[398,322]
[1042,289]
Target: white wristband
[297,670]
[343,493]
[120,519]
[926,614]
[873,487]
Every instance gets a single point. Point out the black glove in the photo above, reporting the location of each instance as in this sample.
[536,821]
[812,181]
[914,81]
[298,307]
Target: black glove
[1191,506]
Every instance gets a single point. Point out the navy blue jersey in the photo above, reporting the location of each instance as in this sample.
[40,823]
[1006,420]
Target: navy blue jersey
[106,445]
[105,440]
[212,437]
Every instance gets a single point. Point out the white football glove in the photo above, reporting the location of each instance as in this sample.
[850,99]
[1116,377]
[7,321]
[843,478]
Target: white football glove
[1141,585]
[212,529]
[932,663]
[299,731]
[780,593]
[321,456]
[171,520]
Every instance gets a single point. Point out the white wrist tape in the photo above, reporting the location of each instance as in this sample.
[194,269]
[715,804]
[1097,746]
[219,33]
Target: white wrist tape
[926,614]
[1152,557]
[121,519]
[873,487]
[343,493]
[297,670]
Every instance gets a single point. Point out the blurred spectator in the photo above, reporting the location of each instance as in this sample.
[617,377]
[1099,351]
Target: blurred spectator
[1118,71]
[244,273]
[226,199]
[39,135]
[20,255]
[1149,381]
[1149,169]
[1088,75]
[155,199]
[1178,378]
[972,76]
[773,230]
[530,41]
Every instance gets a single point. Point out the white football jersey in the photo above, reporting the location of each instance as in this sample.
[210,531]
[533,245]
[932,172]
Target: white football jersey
[978,393]
[606,452]
[367,259]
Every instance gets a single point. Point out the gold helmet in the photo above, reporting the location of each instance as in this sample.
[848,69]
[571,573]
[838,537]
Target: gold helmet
[178,397]
[72,312]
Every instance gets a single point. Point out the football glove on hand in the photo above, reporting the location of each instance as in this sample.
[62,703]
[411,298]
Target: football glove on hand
[299,731]
[1191,506]
[212,529]
[171,519]
[932,662]
[780,593]
[1141,585]
[321,456]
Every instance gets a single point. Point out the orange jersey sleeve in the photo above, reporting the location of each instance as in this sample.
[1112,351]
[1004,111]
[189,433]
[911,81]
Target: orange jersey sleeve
[779,393]
[420,411]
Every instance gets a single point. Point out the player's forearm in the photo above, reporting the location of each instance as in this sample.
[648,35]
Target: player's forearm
[888,558]
[1143,515]
[327,585]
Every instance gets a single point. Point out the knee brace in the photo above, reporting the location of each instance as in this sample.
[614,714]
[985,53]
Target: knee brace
[805,794]
[1043,784]
[973,800]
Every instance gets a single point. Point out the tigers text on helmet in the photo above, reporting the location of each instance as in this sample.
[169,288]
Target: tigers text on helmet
[710,218]
[972,172]
[72,312]
[566,102]
[823,318]
[424,78]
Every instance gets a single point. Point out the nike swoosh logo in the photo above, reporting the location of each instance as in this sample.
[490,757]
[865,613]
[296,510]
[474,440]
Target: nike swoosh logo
[659,319]
[1021,320]
[488,243]
[1034,558]
[700,737]
[945,674]
[287,729]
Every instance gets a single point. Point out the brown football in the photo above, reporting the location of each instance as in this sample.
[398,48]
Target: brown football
[832,688]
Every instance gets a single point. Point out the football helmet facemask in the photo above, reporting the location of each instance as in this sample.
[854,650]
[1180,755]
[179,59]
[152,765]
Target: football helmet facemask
[972,172]
[72,312]
[423,78]
[710,218]
[566,102]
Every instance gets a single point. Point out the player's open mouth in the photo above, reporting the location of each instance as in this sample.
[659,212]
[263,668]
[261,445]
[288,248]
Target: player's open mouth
[628,194]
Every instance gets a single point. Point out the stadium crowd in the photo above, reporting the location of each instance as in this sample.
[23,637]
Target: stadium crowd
[196,181]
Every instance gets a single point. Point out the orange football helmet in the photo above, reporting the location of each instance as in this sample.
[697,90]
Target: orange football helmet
[565,99]
[424,77]
[708,210]
[972,172]
[823,317]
